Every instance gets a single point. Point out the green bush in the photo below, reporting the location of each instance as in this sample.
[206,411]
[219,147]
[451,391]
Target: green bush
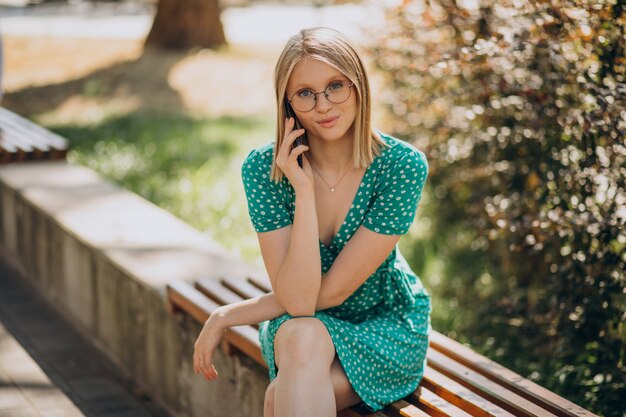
[520,107]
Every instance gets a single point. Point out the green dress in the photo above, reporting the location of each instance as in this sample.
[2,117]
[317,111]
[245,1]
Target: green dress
[380,332]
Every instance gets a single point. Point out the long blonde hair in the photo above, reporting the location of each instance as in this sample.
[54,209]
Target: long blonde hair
[331,47]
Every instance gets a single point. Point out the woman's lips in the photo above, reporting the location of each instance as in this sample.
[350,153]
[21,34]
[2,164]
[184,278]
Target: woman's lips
[330,122]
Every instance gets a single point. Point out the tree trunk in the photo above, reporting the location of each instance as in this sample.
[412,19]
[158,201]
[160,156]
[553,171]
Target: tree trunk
[181,24]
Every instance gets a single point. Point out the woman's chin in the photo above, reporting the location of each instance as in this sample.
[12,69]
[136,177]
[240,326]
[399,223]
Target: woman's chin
[332,135]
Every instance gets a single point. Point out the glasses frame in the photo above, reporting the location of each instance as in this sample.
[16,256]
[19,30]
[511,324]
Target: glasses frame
[320,92]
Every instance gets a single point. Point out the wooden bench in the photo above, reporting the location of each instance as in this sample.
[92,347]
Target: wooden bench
[457,380]
[22,140]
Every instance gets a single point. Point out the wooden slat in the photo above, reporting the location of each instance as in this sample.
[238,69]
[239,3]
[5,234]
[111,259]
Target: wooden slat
[242,288]
[27,127]
[437,406]
[25,140]
[406,409]
[22,136]
[261,282]
[456,394]
[217,291]
[535,393]
[484,387]
[193,302]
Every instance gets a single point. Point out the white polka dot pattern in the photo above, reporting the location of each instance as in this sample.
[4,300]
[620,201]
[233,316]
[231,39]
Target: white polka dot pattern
[381,331]
[394,207]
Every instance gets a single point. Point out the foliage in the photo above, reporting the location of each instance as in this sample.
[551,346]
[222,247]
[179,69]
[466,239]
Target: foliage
[520,106]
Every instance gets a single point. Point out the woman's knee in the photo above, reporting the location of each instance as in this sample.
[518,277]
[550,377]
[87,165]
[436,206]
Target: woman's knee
[303,341]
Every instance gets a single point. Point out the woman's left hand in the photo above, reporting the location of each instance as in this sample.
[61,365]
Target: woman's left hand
[208,340]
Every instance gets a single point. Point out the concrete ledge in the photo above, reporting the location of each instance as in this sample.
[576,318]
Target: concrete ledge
[103,255]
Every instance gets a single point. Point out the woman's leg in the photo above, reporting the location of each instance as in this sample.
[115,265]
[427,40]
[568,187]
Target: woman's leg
[345,396]
[304,352]
[268,407]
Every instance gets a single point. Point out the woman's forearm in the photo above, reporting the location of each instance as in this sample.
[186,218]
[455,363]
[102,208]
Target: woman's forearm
[261,308]
[298,281]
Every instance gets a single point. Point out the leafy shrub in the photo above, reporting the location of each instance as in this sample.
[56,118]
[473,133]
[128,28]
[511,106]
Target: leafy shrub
[520,106]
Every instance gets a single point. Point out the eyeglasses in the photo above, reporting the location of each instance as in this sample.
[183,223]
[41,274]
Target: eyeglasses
[337,92]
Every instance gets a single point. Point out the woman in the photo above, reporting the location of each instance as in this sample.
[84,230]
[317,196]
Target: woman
[347,321]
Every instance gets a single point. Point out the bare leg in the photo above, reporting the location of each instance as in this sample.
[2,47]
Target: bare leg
[268,407]
[304,353]
[345,396]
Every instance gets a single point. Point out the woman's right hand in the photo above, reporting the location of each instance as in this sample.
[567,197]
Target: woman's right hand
[205,346]
[287,159]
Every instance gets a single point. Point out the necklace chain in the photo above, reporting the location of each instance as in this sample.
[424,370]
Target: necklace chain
[331,188]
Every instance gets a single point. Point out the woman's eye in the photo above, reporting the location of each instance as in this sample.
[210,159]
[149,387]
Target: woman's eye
[335,86]
[305,93]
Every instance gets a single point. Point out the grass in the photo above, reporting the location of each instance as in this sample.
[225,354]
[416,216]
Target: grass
[190,166]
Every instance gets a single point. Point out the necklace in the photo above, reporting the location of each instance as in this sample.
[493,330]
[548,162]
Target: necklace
[331,188]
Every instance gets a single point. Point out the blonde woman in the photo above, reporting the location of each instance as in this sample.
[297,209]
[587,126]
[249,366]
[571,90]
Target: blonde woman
[348,320]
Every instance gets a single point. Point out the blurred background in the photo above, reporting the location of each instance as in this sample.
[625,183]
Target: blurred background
[519,106]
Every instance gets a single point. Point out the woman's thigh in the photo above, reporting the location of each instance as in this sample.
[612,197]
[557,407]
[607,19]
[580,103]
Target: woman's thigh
[303,341]
[345,396]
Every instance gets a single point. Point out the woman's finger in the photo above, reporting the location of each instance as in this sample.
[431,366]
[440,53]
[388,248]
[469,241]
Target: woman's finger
[290,138]
[297,151]
[289,123]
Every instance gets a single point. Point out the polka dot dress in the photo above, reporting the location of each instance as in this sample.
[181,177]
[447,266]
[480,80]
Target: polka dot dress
[381,331]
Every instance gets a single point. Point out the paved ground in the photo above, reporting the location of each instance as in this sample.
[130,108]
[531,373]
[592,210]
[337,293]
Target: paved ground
[47,369]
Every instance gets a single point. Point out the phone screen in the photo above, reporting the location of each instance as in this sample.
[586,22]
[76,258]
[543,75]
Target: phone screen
[302,140]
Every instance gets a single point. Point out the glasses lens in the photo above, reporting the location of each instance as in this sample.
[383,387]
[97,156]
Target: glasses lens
[338,92]
[303,102]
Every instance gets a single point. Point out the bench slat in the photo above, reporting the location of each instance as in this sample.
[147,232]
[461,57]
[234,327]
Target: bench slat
[11,142]
[25,126]
[405,408]
[196,304]
[456,394]
[23,140]
[437,406]
[484,387]
[217,292]
[21,135]
[261,282]
[507,378]
[242,288]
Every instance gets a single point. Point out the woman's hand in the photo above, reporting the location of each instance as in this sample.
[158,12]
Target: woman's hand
[287,159]
[208,340]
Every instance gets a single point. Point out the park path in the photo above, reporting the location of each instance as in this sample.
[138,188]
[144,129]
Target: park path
[47,369]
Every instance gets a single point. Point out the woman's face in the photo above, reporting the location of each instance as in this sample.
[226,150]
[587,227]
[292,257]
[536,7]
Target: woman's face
[327,121]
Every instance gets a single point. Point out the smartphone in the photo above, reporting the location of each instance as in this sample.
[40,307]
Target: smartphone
[302,140]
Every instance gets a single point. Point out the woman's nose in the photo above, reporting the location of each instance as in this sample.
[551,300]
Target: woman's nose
[322,103]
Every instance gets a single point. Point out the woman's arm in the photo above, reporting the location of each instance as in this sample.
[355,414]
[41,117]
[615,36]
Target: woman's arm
[261,308]
[297,280]
[254,310]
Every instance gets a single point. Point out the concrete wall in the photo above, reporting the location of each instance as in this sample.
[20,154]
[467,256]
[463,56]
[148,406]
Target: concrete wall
[103,256]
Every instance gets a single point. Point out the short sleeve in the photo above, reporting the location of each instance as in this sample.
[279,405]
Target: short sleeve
[266,199]
[393,209]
